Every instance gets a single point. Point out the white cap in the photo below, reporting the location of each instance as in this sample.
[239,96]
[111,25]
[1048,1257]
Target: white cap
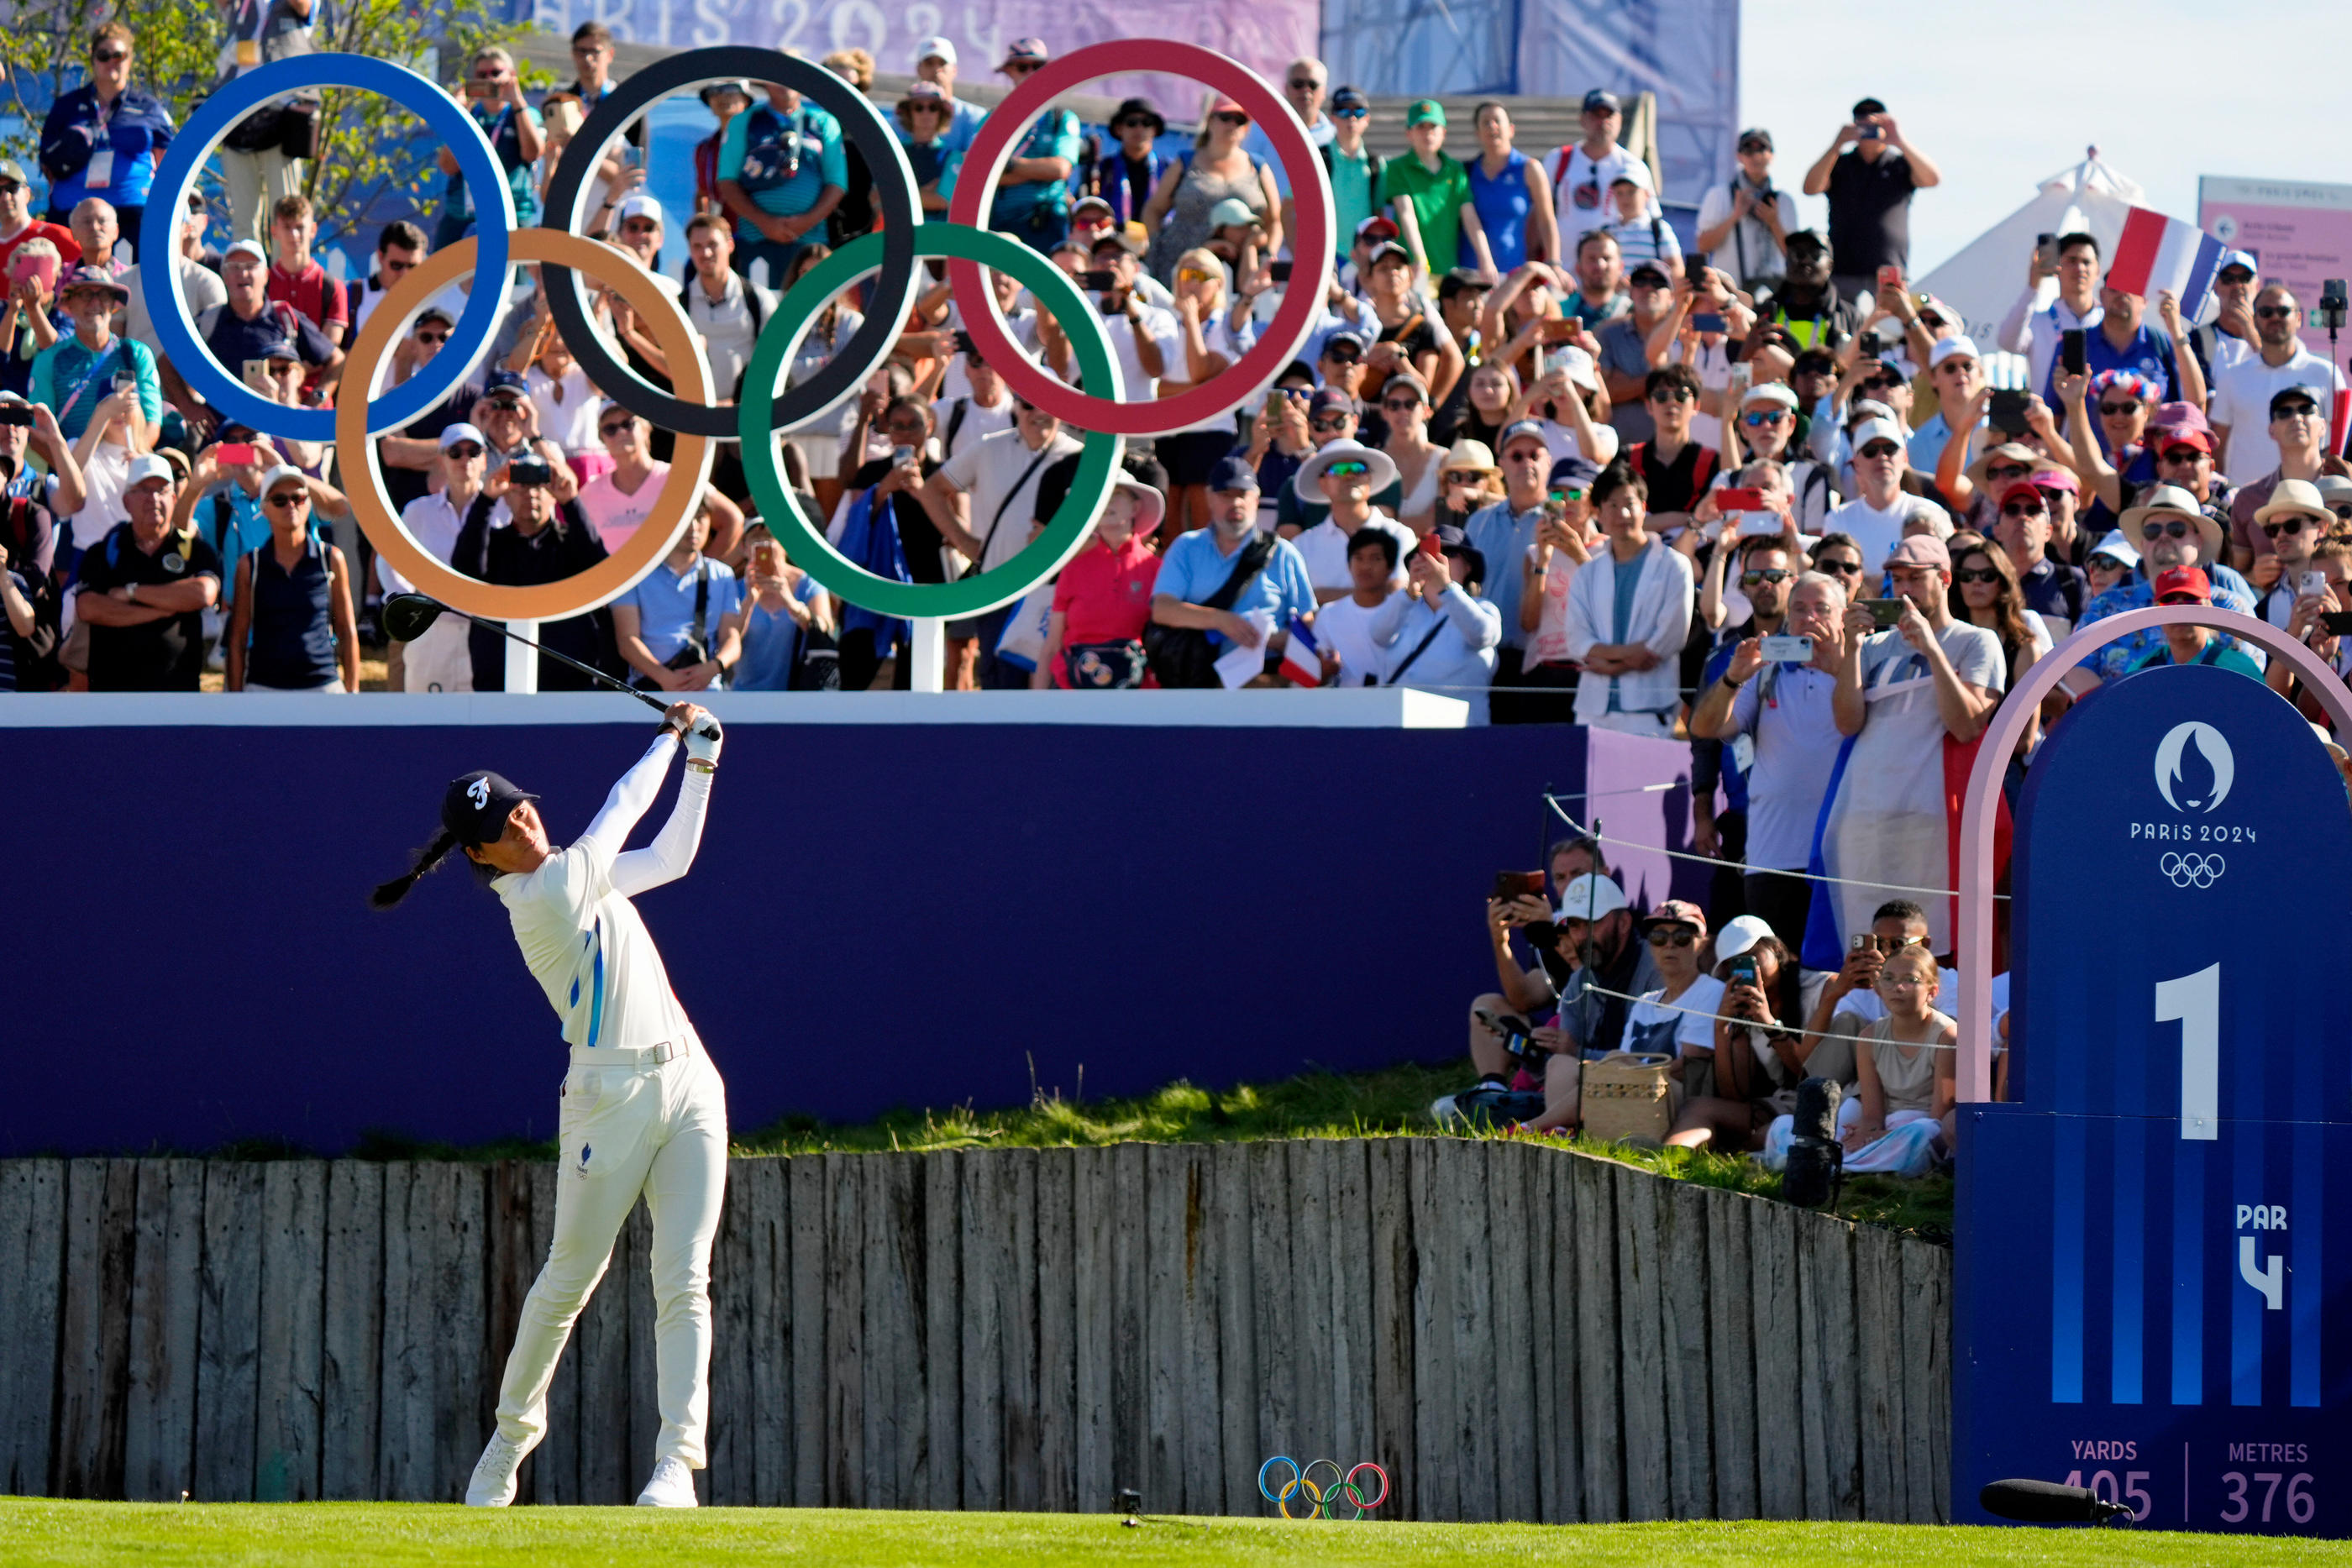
[461,430]
[1867,408]
[940,49]
[1579,366]
[637,204]
[1738,935]
[269,480]
[249,247]
[2117,547]
[145,467]
[1590,897]
[1871,430]
[1634,173]
[1772,392]
[1947,347]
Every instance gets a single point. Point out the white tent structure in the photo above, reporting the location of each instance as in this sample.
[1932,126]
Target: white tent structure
[1983,281]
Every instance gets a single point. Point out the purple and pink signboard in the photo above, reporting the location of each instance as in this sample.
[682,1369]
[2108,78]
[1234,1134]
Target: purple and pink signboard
[2300,231]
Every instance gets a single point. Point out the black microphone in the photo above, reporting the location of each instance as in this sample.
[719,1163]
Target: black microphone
[2047,1502]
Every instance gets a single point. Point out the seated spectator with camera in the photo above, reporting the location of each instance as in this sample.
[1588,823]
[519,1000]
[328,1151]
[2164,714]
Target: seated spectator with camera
[1675,1017]
[142,592]
[1594,931]
[1899,1118]
[1738,1080]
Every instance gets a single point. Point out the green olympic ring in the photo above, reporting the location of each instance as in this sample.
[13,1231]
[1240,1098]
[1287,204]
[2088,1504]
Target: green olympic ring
[763,468]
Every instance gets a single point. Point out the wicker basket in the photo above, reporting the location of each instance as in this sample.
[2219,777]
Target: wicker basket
[1628,1095]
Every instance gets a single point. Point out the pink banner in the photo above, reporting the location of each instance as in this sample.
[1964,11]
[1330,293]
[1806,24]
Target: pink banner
[1265,34]
[2301,233]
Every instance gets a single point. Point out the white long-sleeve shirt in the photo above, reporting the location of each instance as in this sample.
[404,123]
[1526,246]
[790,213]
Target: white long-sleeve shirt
[579,935]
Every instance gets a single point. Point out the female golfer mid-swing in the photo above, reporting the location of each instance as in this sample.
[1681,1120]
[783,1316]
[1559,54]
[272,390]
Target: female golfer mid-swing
[643,1110]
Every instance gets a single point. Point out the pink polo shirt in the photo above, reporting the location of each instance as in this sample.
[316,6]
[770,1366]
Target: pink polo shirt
[1104,596]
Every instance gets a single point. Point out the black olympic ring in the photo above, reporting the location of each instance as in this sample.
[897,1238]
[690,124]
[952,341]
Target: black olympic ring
[2193,870]
[894,193]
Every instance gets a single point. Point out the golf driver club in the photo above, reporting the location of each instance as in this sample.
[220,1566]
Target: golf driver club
[406,616]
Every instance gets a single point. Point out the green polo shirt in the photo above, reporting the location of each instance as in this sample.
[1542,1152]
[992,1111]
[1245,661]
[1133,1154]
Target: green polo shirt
[1436,197]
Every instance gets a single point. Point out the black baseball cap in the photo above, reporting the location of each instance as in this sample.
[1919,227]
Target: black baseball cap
[2289,400]
[1232,474]
[1458,278]
[1868,106]
[505,381]
[477,806]
[1573,472]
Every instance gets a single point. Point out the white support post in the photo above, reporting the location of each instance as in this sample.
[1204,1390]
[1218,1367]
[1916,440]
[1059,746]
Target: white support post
[522,664]
[929,648]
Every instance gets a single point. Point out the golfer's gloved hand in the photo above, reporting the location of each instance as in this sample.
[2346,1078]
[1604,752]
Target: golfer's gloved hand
[702,741]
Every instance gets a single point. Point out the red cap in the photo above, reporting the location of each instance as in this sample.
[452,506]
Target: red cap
[2186,437]
[2187,582]
[2020,487]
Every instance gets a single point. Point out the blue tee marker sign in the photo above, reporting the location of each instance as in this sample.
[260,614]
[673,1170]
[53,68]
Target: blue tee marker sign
[2152,1231]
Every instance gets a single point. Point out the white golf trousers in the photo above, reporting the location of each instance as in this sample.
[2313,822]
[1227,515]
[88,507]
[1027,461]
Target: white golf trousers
[659,1130]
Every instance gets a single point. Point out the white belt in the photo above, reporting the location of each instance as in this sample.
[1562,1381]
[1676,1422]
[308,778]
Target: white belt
[629,1055]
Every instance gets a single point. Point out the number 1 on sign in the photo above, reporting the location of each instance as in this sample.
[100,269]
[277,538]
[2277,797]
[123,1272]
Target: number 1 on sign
[2194,1002]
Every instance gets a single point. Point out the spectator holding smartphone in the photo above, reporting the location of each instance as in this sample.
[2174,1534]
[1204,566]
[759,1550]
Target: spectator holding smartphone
[1868,174]
[2298,428]
[494,97]
[1565,539]
[1749,1045]
[74,373]
[1883,513]
[2073,261]
[1439,634]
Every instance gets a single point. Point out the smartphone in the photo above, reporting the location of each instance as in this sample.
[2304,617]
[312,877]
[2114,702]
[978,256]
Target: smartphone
[1098,280]
[125,382]
[1883,612]
[2311,583]
[1279,271]
[1861,941]
[1511,884]
[1759,525]
[1556,329]
[1431,545]
[963,344]
[1743,969]
[1709,321]
[255,374]
[1787,650]
[1873,133]
[2070,353]
[2338,622]
[2045,250]
[901,456]
[45,267]
[2007,413]
[1890,281]
[1695,269]
[235,453]
[1730,499]
[15,414]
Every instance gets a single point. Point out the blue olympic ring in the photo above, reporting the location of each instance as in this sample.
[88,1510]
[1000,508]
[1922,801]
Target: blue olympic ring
[478,161]
[1324,1500]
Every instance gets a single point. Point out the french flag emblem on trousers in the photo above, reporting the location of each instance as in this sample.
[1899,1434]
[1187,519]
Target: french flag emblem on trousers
[2157,253]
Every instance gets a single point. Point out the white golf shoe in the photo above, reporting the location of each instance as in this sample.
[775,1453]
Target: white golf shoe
[493,1485]
[672,1486]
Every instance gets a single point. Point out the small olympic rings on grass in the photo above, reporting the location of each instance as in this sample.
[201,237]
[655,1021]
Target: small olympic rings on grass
[971,595]
[486,182]
[1322,1499]
[689,464]
[895,195]
[1302,299]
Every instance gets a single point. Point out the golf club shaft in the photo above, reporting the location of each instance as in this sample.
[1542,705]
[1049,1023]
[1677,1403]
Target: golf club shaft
[594,674]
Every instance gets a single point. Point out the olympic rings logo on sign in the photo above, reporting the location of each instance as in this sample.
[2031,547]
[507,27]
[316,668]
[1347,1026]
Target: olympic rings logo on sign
[1321,1500]
[2193,870]
[893,253]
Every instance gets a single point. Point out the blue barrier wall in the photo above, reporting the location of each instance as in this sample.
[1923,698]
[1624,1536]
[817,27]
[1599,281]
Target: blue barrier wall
[881,915]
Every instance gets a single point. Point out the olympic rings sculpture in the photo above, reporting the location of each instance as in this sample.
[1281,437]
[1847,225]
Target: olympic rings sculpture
[892,253]
[1324,1500]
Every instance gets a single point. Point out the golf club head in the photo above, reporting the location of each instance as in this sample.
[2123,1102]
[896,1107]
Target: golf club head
[406,616]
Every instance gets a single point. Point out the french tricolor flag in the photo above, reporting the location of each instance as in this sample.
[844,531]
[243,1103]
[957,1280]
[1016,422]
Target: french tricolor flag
[2157,253]
[1302,657]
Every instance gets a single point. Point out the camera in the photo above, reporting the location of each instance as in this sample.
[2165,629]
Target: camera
[2331,305]
[1816,1158]
[1519,1035]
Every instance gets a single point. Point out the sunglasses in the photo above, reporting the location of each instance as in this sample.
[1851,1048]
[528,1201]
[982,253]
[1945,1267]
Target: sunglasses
[1882,383]
[2176,527]
[619,427]
[1769,417]
[431,337]
[1673,394]
[462,451]
[1303,84]
[2186,455]
[290,499]
[107,56]
[1344,355]
[1122,125]
[2284,526]
[1976,574]
[1227,117]
[9,187]
[2119,410]
[1563,496]
[1896,943]
[1465,476]
[640,226]
[1754,147]
[1879,449]
[1021,68]
[2007,471]
[1194,275]
[925,109]
[1330,421]
[1840,568]
[2277,312]
[2023,509]
[1349,114]
[1660,936]
[1347,468]
[1400,405]
[1768,574]
[2297,411]
[2182,599]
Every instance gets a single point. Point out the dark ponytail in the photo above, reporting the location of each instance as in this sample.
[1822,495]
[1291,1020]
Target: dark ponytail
[390,892]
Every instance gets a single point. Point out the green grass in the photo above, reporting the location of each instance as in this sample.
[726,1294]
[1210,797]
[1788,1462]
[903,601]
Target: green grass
[1389,1101]
[36,1534]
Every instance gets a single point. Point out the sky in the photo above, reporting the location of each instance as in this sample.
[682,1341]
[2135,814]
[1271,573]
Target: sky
[2002,94]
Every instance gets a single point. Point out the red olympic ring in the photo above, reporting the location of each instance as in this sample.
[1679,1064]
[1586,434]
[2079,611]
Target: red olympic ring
[1302,298]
